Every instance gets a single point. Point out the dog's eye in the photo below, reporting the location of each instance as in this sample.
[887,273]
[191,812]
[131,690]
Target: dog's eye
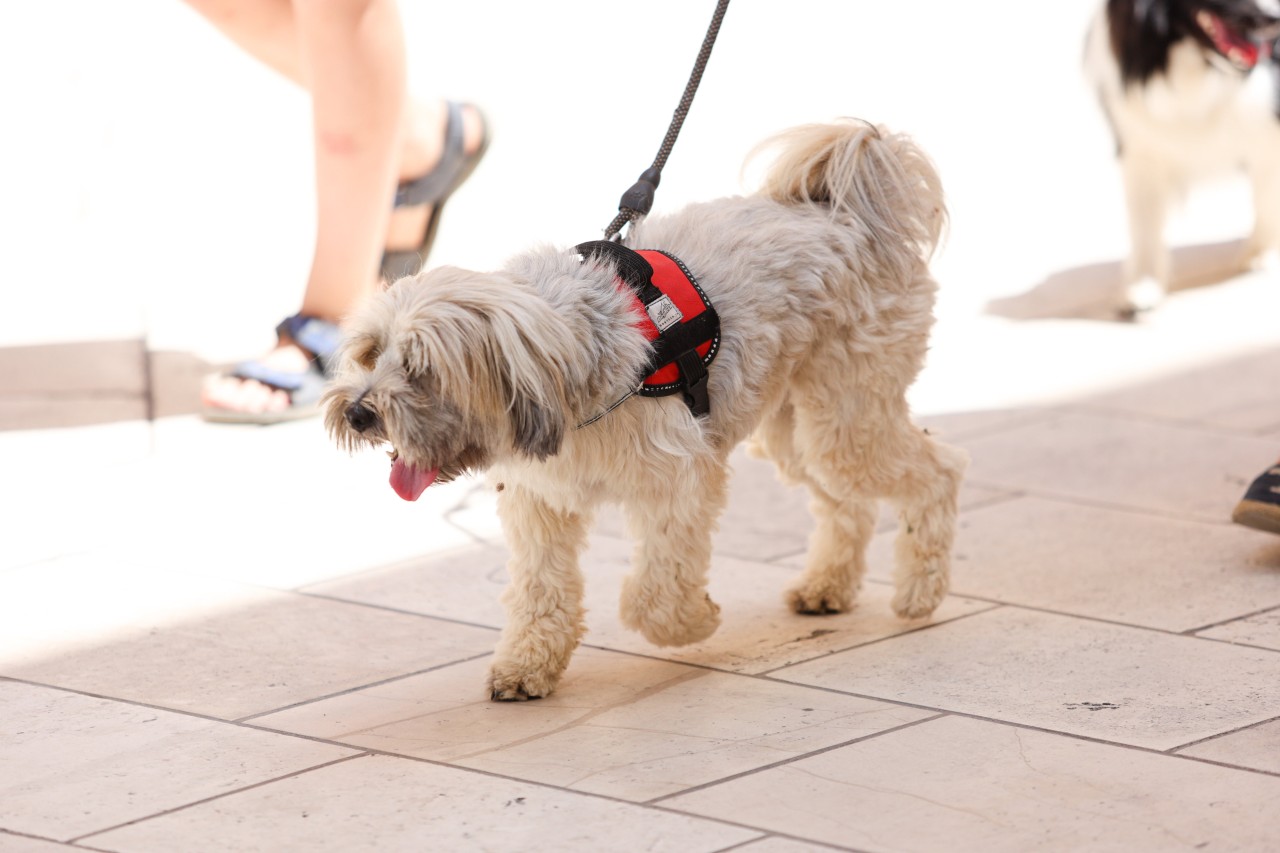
[368,357]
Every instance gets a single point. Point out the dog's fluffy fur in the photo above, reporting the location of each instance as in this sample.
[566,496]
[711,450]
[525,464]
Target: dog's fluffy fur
[1181,110]
[825,298]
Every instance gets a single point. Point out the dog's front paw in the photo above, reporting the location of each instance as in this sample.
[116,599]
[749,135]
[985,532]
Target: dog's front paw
[509,683]
[819,598]
[688,620]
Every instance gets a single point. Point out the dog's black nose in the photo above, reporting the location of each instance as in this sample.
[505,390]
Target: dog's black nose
[360,416]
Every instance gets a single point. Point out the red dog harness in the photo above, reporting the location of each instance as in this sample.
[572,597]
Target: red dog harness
[674,314]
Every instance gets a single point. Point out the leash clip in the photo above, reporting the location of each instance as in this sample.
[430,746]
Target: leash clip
[640,197]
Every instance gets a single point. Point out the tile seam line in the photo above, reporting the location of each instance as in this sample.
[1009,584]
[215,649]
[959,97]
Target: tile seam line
[657,801]
[765,833]
[995,605]
[17,833]
[1220,623]
[357,688]
[1175,750]
[1149,750]
[70,396]
[1101,412]
[384,608]
[776,833]
[1094,503]
[224,794]
[1031,608]
[241,722]
[131,702]
[368,752]
[725,671]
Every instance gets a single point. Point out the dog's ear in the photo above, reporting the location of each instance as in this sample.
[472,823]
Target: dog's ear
[538,429]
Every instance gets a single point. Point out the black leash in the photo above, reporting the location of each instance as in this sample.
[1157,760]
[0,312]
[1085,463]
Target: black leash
[637,201]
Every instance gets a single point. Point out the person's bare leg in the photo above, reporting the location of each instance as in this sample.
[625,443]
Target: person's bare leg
[350,56]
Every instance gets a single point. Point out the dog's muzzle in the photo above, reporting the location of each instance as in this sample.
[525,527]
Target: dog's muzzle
[360,417]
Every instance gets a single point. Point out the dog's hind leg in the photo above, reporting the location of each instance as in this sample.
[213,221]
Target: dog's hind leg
[926,498]
[544,598]
[665,597]
[837,557]
[865,447]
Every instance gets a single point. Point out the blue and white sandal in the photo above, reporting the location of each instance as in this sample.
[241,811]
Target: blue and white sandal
[319,339]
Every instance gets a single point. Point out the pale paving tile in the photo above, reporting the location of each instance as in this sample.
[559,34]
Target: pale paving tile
[462,584]
[202,645]
[75,764]
[1110,682]
[622,726]
[956,784]
[1261,629]
[1111,564]
[1257,748]
[758,632]
[382,803]
[1167,468]
[1241,393]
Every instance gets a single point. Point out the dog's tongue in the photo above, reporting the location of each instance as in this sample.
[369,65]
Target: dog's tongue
[1235,46]
[410,482]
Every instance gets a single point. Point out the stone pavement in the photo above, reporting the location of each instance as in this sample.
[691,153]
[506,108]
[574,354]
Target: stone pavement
[224,639]
[231,639]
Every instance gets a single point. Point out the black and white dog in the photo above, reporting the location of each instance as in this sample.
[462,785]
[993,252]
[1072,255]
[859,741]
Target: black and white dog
[1190,89]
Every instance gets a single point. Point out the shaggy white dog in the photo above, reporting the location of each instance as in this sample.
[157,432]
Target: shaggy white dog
[825,304]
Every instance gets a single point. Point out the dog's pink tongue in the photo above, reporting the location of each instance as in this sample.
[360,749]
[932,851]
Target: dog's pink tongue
[410,482]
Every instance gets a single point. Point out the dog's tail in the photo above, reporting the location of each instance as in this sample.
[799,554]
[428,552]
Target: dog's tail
[880,179]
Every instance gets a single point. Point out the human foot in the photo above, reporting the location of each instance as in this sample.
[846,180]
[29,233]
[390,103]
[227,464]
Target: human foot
[282,385]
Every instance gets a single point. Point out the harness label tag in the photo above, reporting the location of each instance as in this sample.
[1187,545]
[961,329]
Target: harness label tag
[664,313]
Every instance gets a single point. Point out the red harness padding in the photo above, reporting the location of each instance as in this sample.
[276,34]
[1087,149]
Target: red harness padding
[674,314]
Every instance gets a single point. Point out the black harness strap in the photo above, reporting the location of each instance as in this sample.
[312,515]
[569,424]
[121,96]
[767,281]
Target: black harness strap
[632,268]
[675,344]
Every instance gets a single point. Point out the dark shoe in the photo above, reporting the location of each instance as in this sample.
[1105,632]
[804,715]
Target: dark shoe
[1260,506]
[319,338]
[434,188]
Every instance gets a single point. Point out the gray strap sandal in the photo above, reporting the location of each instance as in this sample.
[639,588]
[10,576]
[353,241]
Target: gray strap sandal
[434,188]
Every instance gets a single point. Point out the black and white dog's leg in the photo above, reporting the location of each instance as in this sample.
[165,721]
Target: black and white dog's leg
[1148,193]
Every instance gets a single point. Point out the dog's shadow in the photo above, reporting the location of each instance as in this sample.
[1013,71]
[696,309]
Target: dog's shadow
[1089,292]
